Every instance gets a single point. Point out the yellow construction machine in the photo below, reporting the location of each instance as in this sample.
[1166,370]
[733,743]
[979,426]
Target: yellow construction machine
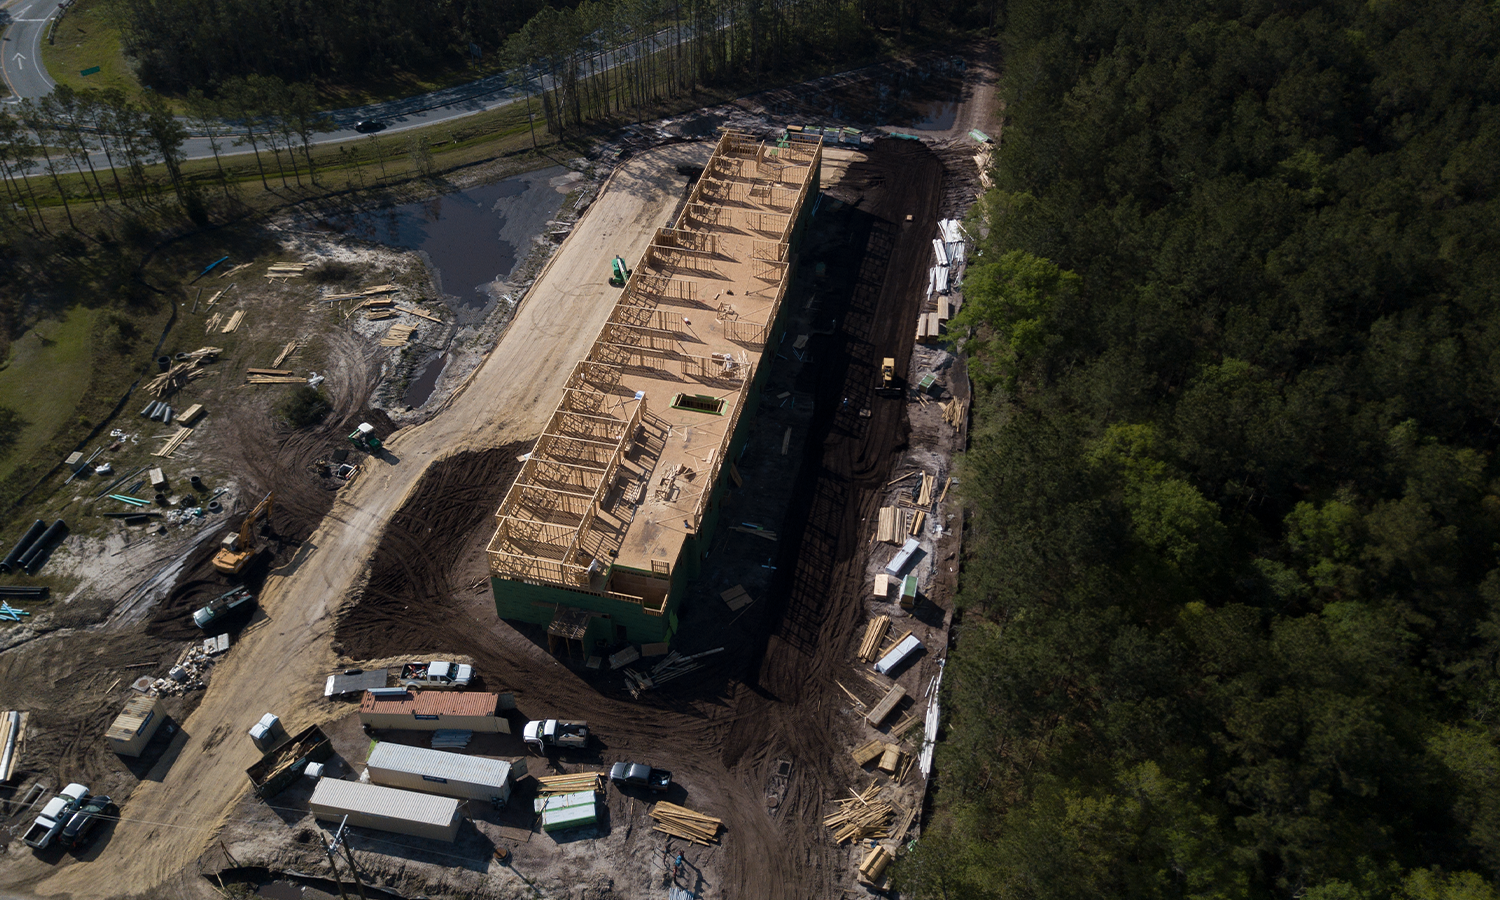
[239,547]
[887,386]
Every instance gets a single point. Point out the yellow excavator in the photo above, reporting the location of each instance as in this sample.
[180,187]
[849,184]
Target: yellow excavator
[239,547]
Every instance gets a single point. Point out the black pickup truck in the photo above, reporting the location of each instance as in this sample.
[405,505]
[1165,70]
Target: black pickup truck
[628,773]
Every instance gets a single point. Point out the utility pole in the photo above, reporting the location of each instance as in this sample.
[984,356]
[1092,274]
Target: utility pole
[338,840]
[333,861]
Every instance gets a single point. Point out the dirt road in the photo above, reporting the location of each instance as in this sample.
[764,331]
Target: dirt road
[174,813]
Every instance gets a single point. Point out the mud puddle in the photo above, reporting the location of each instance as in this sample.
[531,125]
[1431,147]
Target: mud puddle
[471,238]
[421,386]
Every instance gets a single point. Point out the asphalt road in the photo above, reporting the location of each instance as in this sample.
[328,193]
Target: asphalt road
[27,79]
[21,64]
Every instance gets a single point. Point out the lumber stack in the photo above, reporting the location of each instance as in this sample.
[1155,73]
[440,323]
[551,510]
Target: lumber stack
[874,632]
[286,270]
[868,751]
[886,531]
[234,322]
[861,817]
[736,598]
[924,494]
[954,412]
[569,784]
[397,336]
[915,527]
[286,351]
[679,821]
[275,379]
[174,442]
[873,866]
[177,377]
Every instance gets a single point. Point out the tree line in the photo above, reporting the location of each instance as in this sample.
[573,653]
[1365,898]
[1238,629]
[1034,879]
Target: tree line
[1230,606]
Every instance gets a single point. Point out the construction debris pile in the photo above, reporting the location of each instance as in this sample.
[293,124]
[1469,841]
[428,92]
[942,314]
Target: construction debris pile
[861,817]
[671,666]
[189,674]
[890,757]
[188,368]
[570,784]
[679,821]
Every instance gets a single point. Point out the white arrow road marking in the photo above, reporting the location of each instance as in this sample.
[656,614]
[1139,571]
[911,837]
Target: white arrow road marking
[20,62]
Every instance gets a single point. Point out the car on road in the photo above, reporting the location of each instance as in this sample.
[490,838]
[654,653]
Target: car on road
[94,809]
[369,126]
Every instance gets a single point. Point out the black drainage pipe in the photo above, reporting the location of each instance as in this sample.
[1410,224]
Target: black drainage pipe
[13,559]
[37,555]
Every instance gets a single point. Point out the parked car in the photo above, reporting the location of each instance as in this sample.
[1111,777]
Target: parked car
[641,775]
[94,810]
[55,816]
[369,126]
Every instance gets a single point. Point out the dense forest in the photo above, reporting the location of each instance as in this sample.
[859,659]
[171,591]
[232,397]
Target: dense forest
[1231,605]
[178,44]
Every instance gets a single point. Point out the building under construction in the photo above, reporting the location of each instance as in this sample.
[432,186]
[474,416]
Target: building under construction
[614,509]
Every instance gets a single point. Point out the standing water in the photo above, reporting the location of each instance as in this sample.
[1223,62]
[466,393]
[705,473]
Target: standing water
[472,238]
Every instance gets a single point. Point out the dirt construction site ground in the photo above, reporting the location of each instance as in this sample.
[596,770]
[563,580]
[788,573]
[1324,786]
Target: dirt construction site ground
[392,566]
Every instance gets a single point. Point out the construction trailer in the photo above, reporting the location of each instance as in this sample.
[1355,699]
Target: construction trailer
[437,772]
[608,520]
[432,710]
[387,809]
[560,812]
[134,727]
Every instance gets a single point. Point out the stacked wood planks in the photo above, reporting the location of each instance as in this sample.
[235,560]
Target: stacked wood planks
[924,495]
[870,646]
[275,379]
[286,351]
[679,821]
[886,706]
[868,751]
[234,322]
[174,442]
[286,270]
[873,866]
[917,518]
[736,598]
[569,784]
[954,412]
[861,817]
[889,515]
[397,336]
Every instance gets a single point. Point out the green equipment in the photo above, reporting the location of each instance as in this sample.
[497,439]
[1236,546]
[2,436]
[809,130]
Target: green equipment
[364,437]
[620,272]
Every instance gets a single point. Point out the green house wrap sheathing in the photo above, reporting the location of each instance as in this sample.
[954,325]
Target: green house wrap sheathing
[563,811]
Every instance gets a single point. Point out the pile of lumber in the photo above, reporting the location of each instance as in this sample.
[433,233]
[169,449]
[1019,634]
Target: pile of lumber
[376,315]
[872,867]
[288,350]
[954,412]
[924,494]
[914,524]
[672,665]
[869,648]
[234,322]
[888,757]
[174,442]
[887,530]
[679,821]
[375,291]
[397,336]
[273,376]
[861,817]
[286,270]
[569,784]
[177,377]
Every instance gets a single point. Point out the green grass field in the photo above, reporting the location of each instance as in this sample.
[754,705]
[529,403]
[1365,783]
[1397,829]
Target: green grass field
[86,38]
[44,379]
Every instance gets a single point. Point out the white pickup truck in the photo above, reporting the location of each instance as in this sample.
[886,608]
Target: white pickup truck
[436,674]
[55,815]
[544,733]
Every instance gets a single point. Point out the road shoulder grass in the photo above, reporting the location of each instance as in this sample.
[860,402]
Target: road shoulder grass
[87,37]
